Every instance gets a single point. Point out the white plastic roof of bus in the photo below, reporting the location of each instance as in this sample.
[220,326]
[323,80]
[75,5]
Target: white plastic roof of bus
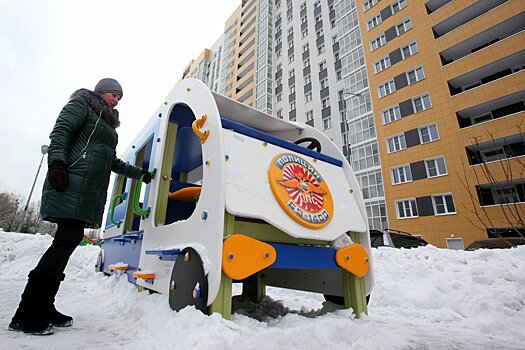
[251,117]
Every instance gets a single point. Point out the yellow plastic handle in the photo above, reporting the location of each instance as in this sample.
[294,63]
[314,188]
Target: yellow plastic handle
[197,125]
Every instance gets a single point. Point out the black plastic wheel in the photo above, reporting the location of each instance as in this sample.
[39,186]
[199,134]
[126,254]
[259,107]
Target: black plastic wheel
[313,144]
[188,283]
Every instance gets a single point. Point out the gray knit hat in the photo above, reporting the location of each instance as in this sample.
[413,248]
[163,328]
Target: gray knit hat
[108,85]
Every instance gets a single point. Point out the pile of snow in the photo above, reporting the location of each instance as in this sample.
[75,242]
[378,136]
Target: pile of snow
[424,298]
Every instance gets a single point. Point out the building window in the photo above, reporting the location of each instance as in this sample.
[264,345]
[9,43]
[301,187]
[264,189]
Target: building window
[369,4]
[361,129]
[396,143]
[365,156]
[322,66]
[292,105]
[376,212]
[391,115]
[308,97]
[406,208]
[386,88]
[291,58]
[278,53]
[306,63]
[382,64]
[324,83]
[403,26]
[292,89]
[421,103]
[290,44]
[303,6]
[280,113]
[309,115]
[373,22]
[339,74]
[409,50]
[291,73]
[377,42]
[290,30]
[306,47]
[401,174]
[436,167]
[398,5]
[304,33]
[415,75]
[371,183]
[428,133]
[326,102]
[304,19]
[307,80]
[327,123]
[279,97]
[317,4]
[321,48]
[443,204]
[318,18]
[319,33]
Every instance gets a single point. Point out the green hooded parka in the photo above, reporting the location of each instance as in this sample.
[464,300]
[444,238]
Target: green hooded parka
[84,138]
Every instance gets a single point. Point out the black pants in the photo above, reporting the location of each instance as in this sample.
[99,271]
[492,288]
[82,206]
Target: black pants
[69,234]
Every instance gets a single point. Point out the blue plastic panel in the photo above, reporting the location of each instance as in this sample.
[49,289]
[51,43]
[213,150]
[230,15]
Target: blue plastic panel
[164,254]
[290,256]
[126,249]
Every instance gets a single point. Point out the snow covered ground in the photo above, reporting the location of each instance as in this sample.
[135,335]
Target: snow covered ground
[424,298]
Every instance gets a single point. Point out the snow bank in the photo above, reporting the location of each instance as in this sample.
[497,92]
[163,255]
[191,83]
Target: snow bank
[424,298]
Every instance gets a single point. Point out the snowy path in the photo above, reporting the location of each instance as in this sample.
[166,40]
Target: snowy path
[426,298]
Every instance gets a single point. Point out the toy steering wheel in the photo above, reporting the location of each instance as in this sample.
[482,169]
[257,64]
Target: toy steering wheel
[313,144]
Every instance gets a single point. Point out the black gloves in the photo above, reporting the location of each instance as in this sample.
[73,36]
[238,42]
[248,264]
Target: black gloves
[57,176]
[147,176]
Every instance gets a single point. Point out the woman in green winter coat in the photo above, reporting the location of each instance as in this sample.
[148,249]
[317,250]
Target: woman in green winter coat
[81,156]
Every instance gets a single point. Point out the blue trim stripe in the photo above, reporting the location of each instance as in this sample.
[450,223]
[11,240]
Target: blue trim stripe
[290,256]
[260,135]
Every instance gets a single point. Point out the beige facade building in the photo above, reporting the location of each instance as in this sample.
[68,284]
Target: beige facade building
[448,91]
[426,99]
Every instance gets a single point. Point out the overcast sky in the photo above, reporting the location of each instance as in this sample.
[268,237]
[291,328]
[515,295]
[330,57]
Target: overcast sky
[50,48]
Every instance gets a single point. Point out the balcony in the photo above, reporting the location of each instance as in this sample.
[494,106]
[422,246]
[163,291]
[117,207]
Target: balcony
[472,12]
[484,39]
[486,74]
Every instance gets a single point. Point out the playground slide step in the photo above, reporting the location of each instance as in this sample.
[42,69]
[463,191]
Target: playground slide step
[144,275]
[118,267]
[186,194]
[164,254]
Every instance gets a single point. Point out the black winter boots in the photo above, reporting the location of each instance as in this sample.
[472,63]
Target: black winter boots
[36,313]
[56,318]
[30,317]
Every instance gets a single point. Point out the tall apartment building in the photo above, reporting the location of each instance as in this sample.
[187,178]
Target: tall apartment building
[425,98]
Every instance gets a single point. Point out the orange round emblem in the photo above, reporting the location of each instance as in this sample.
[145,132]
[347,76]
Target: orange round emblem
[300,190]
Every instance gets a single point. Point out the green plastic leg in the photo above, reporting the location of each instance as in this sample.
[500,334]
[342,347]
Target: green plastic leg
[223,302]
[254,288]
[354,293]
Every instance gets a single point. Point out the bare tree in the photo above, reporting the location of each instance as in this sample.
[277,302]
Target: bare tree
[510,168]
[10,205]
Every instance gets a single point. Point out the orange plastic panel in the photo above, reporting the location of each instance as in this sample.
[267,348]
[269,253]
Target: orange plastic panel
[143,275]
[118,267]
[186,194]
[354,259]
[243,256]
